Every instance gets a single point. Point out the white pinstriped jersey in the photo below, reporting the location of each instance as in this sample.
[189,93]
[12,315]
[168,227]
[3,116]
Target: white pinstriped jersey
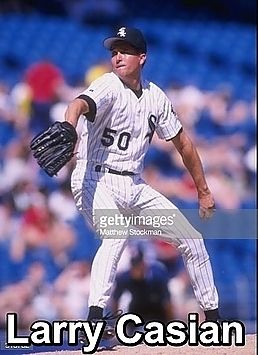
[118,138]
[124,124]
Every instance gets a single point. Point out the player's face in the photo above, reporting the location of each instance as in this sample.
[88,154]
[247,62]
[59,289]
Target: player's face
[126,60]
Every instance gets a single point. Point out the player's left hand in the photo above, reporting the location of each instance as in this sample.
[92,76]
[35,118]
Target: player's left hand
[207,205]
[54,147]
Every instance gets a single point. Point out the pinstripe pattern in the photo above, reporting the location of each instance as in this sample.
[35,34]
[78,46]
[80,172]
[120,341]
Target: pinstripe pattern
[119,193]
[120,110]
[187,240]
[119,138]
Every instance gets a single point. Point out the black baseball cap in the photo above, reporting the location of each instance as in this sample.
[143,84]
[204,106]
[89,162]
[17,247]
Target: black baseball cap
[131,35]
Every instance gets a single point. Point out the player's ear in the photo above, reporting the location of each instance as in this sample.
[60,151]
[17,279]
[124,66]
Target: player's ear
[142,58]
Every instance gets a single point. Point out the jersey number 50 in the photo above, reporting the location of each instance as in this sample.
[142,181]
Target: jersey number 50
[108,138]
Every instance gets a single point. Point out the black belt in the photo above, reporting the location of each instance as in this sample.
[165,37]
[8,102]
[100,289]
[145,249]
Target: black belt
[98,169]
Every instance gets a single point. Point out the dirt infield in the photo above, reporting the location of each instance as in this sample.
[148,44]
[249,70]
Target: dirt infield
[248,349]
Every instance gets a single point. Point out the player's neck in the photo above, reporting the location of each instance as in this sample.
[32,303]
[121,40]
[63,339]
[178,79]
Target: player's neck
[137,88]
[133,84]
[138,93]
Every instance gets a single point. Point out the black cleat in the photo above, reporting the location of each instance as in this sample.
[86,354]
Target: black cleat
[109,331]
[212,315]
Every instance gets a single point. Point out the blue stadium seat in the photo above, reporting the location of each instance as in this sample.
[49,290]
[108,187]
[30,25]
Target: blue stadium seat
[182,48]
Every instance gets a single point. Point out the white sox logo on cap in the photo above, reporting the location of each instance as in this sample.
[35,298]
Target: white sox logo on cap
[121,32]
[133,36]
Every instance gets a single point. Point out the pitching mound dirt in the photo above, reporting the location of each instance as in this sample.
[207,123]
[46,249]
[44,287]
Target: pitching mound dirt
[248,349]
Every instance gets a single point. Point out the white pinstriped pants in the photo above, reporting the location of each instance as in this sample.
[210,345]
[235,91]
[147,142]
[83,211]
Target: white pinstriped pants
[104,191]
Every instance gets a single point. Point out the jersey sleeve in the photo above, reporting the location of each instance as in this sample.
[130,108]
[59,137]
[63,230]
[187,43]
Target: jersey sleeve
[169,124]
[102,92]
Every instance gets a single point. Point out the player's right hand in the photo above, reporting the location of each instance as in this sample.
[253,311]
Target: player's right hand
[207,205]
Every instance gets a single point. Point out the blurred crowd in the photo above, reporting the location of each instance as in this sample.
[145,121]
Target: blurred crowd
[46,249]
[90,11]
[108,12]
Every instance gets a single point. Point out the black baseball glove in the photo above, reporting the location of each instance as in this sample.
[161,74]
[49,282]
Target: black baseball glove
[54,147]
